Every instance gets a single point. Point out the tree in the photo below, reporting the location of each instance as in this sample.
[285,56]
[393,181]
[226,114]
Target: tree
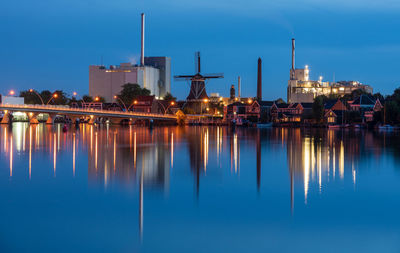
[168,97]
[280,101]
[87,99]
[318,107]
[30,97]
[61,98]
[130,91]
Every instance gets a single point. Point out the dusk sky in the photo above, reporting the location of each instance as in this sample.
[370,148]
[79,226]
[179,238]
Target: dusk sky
[50,44]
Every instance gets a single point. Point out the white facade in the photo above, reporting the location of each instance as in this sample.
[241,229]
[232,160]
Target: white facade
[107,82]
[302,90]
[9,100]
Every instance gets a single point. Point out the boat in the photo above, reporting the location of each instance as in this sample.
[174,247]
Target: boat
[264,125]
[334,126]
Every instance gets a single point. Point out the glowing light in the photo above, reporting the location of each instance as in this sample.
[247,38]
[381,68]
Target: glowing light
[172,103]
[11,155]
[172,150]
[30,151]
[249,101]
[95,151]
[12,92]
[306,164]
[205,100]
[134,150]
[96,99]
[341,160]
[54,153]
[73,156]
[55,95]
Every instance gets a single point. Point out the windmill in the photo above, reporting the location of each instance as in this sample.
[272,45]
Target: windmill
[197,87]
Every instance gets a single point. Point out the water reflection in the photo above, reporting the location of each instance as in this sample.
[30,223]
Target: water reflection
[144,159]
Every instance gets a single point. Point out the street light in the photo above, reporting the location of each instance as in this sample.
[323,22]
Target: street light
[133,103]
[116,97]
[33,91]
[12,92]
[55,95]
[96,99]
[170,104]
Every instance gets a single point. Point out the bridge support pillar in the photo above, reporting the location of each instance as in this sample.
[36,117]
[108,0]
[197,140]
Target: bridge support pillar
[7,119]
[32,118]
[50,119]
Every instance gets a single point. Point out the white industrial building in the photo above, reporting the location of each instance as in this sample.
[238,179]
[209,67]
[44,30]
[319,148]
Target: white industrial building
[303,90]
[153,73]
[155,76]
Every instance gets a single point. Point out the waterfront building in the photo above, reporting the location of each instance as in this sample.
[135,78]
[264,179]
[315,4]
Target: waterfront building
[291,112]
[366,106]
[303,90]
[11,100]
[154,76]
[153,73]
[242,112]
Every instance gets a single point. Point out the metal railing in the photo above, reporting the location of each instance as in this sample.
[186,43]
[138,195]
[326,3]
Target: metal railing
[57,108]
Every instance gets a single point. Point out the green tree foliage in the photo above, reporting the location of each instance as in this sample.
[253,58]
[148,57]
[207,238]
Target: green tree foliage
[130,91]
[318,107]
[30,97]
[392,112]
[168,97]
[354,94]
[87,98]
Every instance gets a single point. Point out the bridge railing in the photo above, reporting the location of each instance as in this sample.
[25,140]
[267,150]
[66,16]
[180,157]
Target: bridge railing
[100,111]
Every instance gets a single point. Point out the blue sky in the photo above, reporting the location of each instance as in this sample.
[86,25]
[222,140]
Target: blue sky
[49,44]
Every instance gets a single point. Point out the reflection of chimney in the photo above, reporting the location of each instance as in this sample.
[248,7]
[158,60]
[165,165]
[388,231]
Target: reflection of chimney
[142,46]
[259,82]
[239,87]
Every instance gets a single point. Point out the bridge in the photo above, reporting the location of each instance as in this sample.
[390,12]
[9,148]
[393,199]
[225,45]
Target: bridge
[91,115]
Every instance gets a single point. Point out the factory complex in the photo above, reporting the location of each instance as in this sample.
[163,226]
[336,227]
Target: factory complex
[153,73]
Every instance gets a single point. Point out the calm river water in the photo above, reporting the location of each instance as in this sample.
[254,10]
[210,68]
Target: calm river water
[198,189]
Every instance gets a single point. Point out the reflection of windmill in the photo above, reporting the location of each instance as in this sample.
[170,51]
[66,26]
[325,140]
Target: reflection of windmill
[198,87]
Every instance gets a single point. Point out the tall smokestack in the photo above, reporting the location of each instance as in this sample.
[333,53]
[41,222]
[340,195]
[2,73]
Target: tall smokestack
[142,45]
[293,52]
[259,82]
[239,87]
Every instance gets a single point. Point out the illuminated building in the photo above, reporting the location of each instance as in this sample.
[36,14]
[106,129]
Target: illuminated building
[153,73]
[303,90]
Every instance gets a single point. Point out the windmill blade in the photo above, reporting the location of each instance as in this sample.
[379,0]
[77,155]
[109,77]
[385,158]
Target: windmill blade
[183,77]
[213,75]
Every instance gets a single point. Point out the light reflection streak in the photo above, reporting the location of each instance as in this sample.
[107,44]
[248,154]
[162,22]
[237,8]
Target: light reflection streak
[73,155]
[115,150]
[5,139]
[54,153]
[341,160]
[235,152]
[306,160]
[134,150]
[11,155]
[30,151]
[95,152]
[205,147]
[172,150]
